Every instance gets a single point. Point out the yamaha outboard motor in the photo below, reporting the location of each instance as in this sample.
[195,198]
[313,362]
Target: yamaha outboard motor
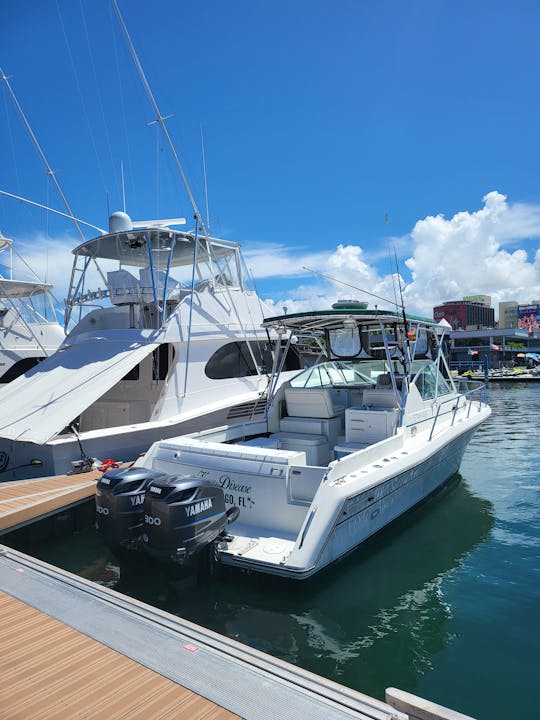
[120,504]
[182,516]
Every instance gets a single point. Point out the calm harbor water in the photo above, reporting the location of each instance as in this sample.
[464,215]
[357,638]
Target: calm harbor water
[445,604]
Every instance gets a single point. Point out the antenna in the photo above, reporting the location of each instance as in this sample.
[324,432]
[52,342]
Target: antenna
[50,171]
[123,186]
[205,184]
[160,119]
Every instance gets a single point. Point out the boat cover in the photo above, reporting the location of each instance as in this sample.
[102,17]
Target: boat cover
[37,406]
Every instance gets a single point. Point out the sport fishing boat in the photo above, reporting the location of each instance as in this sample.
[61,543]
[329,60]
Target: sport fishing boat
[168,340]
[29,329]
[346,447]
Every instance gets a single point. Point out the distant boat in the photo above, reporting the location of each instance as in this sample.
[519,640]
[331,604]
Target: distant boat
[29,329]
[348,445]
[151,356]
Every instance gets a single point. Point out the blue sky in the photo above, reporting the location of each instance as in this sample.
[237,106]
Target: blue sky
[334,133]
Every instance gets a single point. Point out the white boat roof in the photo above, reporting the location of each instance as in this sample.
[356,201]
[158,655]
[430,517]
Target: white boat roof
[37,406]
[337,318]
[129,246]
[15,289]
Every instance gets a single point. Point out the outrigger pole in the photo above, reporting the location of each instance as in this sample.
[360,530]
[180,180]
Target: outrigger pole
[50,171]
[160,119]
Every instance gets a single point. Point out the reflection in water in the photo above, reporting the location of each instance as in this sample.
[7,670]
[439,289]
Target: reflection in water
[376,619]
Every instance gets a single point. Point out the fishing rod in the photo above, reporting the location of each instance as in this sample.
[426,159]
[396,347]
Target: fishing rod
[405,321]
[354,287]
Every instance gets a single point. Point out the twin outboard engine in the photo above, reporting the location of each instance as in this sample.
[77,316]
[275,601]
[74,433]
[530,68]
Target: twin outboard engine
[170,516]
[120,505]
[182,516]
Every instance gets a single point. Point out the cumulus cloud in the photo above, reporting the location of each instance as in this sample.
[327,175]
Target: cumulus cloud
[473,253]
[470,253]
[480,252]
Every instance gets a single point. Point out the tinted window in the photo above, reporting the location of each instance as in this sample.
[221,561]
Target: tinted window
[19,368]
[236,360]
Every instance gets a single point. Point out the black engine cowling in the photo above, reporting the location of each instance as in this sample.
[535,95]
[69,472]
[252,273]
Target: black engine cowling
[183,515]
[120,504]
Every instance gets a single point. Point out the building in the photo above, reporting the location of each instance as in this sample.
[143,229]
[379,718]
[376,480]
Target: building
[508,314]
[471,313]
[501,347]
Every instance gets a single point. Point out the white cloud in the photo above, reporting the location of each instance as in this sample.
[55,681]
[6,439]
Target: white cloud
[477,252]
[466,255]
[470,253]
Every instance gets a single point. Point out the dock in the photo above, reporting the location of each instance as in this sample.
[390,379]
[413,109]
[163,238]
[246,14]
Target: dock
[74,649]
[24,501]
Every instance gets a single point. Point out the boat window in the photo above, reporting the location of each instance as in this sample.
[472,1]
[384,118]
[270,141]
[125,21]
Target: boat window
[344,342]
[235,360]
[133,374]
[160,362]
[430,382]
[19,368]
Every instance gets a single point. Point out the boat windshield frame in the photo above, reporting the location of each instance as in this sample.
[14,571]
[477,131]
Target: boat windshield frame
[368,343]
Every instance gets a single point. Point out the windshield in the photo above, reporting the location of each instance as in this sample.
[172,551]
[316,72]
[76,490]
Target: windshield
[429,380]
[339,373]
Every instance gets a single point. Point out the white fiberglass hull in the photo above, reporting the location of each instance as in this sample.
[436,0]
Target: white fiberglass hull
[355,517]
[18,458]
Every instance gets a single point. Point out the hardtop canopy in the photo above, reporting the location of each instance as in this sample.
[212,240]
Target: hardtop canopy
[335,319]
[130,247]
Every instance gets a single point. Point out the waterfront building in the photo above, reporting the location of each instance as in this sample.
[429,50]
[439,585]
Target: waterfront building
[471,313]
[508,314]
[503,347]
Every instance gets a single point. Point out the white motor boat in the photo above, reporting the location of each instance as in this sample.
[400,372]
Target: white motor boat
[29,329]
[347,446]
[171,342]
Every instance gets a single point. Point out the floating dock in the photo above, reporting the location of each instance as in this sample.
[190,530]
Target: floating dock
[71,648]
[22,502]
[75,649]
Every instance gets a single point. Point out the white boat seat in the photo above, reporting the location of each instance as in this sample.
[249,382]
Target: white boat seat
[316,447]
[124,287]
[311,403]
[379,397]
[331,427]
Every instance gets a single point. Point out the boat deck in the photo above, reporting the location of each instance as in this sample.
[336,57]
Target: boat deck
[71,649]
[23,501]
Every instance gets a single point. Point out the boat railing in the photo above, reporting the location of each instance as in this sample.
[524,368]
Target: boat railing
[466,395]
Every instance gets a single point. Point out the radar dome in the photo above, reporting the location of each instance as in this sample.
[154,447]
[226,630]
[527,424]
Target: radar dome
[120,222]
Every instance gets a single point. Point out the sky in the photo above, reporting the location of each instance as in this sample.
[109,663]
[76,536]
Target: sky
[360,140]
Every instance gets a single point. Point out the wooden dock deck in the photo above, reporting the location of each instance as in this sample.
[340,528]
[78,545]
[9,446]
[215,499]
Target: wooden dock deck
[54,672]
[72,649]
[24,501]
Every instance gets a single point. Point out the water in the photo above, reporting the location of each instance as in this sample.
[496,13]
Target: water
[444,604]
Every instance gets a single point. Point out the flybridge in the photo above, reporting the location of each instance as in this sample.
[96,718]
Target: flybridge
[144,255]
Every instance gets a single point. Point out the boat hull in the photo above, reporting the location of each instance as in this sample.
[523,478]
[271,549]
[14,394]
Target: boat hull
[21,460]
[363,514]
